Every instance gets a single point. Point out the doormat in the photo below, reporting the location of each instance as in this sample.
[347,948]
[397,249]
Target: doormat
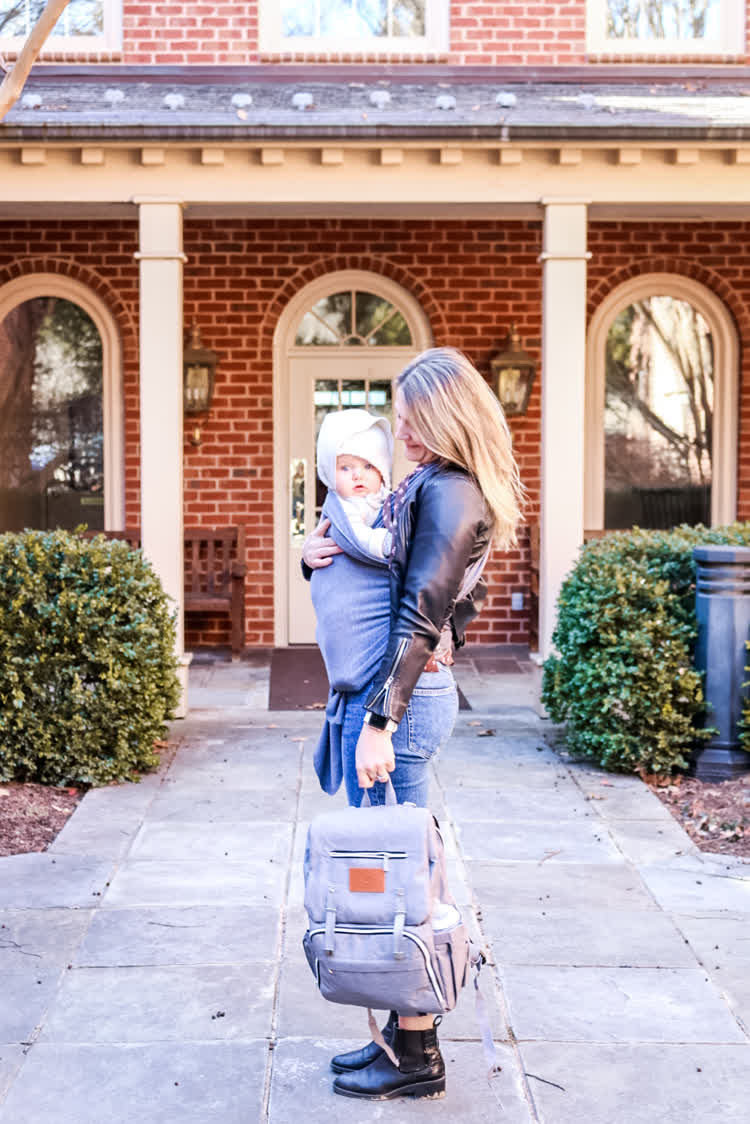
[299,680]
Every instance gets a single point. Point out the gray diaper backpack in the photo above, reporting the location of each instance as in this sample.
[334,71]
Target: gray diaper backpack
[384,930]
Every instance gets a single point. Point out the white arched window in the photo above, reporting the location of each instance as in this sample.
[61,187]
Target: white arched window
[661,407]
[60,407]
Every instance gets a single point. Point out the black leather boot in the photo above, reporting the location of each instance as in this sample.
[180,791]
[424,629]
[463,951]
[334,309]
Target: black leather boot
[358,1059]
[420,1071]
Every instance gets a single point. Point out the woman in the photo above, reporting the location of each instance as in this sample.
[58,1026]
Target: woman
[463,496]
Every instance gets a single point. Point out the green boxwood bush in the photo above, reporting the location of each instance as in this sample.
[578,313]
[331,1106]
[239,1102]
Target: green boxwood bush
[87,666]
[623,680]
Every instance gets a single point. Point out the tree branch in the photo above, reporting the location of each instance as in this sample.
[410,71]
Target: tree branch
[15,79]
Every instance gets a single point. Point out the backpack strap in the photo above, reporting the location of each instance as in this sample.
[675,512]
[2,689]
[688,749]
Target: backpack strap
[483,1022]
[399,921]
[330,921]
[390,795]
[377,1037]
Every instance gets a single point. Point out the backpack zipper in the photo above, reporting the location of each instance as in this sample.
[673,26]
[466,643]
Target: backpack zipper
[379,932]
[386,856]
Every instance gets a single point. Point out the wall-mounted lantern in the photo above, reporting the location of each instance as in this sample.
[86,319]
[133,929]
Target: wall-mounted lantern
[199,373]
[513,372]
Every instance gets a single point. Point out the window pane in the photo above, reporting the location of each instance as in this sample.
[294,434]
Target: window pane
[298,17]
[353,394]
[81,17]
[379,399]
[658,416]
[51,427]
[408,17]
[313,332]
[663,19]
[371,311]
[13,17]
[394,333]
[348,20]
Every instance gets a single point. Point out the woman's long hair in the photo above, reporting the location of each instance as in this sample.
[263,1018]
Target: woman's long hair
[459,419]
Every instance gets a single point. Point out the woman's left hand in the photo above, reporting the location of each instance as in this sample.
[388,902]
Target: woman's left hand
[374,758]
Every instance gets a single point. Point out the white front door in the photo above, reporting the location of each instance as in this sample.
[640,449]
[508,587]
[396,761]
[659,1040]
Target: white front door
[321,380]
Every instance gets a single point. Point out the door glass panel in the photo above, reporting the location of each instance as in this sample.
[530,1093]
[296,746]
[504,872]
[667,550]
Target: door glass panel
[658,416]
[297,470]
[379,399]
[51,420]
[349,319]
[393,333]
[353,394]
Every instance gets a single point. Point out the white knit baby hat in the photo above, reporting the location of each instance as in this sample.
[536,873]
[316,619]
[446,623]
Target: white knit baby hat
[361,435]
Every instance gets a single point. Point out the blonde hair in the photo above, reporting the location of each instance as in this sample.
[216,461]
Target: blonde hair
[459,419]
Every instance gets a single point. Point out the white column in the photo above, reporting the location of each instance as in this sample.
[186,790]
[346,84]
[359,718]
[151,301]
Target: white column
[563,390]
[160,260]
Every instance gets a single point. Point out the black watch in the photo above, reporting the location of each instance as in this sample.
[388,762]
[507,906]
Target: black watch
[380,722]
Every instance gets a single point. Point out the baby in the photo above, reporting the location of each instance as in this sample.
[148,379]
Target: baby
[355,453]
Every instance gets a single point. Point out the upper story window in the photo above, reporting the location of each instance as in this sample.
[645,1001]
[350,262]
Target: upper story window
[354,26]
[665,27]
[85,25]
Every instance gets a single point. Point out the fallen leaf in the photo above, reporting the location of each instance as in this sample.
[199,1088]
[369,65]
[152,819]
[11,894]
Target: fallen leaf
[475,723]
[608,783]
[315,706]
[272,726]
[298,739]
[486,734]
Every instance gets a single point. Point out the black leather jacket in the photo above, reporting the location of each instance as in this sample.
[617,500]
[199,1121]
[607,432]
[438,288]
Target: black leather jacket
[441,529]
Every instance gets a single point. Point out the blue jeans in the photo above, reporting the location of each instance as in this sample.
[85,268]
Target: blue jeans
[424,729]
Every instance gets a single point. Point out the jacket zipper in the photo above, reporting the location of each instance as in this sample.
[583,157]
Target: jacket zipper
[378,932]
[385,690]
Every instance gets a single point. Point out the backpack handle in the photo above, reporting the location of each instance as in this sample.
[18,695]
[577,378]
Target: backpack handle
[390,795]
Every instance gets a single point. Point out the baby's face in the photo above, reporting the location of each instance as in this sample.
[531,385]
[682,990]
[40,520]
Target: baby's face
[355,476]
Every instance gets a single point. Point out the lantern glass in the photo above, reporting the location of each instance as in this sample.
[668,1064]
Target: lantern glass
[513,372]
[199,373]
[197,381]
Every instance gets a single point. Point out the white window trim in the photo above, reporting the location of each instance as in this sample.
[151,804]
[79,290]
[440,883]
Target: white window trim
[53,285]
[435,40]
[730,42]
[110,40]
[726,389]
[283,348]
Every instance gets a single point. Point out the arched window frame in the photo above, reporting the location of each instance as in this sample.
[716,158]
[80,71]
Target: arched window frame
[726,364]
[53,285]
[284,348]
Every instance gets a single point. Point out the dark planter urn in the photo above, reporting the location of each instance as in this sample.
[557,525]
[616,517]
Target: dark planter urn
[722,602]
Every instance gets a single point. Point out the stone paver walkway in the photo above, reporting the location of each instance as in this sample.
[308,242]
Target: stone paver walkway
[152,967]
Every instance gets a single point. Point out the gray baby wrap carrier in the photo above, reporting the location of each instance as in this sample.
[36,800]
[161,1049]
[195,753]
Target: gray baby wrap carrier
[384,930]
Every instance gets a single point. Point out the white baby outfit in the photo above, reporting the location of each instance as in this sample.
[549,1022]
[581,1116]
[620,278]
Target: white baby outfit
[367,436]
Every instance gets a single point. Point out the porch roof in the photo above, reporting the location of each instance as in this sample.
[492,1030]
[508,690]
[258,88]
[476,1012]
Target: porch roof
[76,102]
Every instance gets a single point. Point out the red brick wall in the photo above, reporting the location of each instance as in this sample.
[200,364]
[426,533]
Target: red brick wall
[506,33]
[472,278]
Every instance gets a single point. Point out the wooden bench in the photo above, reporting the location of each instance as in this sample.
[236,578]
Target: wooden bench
[214,572]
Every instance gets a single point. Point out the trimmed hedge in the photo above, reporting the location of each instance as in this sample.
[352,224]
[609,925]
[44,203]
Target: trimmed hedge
[624,681]
[87,665]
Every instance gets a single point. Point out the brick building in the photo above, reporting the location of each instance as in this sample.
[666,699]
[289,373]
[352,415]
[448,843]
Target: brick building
[325,189]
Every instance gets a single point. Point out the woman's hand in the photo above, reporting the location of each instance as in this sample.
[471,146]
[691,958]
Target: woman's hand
[374,757]
[317,549]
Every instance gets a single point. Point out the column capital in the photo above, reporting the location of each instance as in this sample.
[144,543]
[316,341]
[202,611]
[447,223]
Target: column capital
[155,200]
[564,201]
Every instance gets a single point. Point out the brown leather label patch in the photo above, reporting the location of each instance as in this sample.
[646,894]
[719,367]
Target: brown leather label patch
[366,880]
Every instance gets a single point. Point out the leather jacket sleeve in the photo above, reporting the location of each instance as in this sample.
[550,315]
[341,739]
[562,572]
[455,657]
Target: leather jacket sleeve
[450,519]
